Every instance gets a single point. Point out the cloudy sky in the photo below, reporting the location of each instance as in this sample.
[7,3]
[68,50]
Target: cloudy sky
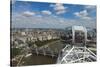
[51,15]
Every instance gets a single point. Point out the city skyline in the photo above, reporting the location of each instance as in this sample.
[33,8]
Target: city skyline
[27,14]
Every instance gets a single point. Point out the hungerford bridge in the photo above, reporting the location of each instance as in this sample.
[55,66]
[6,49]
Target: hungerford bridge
[78,52]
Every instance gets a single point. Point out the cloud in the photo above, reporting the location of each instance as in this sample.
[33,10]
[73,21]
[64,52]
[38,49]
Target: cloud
[90,7]
[22,21]
[59,8]
[28,13]
[46,12]
[82,14]
[39,16]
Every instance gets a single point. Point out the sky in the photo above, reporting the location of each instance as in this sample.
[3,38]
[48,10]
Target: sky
[26,14]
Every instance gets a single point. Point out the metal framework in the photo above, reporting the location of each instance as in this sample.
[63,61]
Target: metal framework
[79,29]
[76,53]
